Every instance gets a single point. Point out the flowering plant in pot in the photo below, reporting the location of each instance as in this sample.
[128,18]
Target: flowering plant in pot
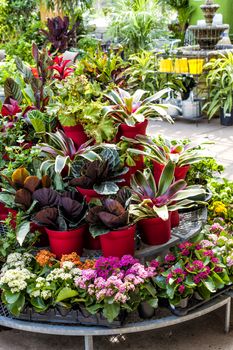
[118,289]
[160,150]
[151,204]
[62,214]
[109,219]
[131,112]
[100,177]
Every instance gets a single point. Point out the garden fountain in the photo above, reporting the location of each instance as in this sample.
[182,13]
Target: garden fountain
[208,35]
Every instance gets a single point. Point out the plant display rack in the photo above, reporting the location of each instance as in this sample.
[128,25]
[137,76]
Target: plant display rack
[135,327]
[190,225]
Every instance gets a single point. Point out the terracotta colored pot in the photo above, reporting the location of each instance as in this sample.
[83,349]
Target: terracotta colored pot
[91,243]
[175,218]
[131,131]
[66,242]
[181,172]
[155,231]
[88,193]
[76,133]
[118,243]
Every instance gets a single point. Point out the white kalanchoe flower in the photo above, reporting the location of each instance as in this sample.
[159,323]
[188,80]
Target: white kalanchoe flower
[67,265]
[46,294]
[16,279]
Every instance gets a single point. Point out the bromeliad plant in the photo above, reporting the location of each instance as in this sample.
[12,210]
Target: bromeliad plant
[162,150]
[102,174]
[109,214]
[60,152]
[149,201]
[131,109]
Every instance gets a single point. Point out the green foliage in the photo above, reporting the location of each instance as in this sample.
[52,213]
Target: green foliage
[220,83]
[136,23]
[203,171]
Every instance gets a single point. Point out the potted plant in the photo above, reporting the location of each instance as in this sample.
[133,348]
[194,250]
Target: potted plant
[131,112]
[17,195]
[100,177]
[60,152]
[62,214]
[220,87]
[161,150]
[109,219]
[151,204]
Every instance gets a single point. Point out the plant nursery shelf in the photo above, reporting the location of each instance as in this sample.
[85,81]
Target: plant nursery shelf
[88,332]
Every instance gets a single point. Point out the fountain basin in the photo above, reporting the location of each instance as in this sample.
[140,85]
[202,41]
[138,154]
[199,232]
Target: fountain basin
[208,36]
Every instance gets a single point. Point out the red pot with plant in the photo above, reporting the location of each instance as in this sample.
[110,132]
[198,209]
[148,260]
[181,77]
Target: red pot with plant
[131,112]
[152,205]
[109,220]
[181,172]
[139,165]
[62,214]
[174,218]
[131,131]
[88,193]
[66,242]
[76,133]
[101,176]
[119,242]
[155,231]
[91,242]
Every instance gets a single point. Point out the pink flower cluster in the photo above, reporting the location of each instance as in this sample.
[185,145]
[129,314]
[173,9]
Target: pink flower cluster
[115,278]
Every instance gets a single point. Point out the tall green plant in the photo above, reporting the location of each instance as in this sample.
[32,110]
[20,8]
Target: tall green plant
[136,23]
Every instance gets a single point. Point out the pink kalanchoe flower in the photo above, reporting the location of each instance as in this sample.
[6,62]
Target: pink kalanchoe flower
[169,258]
[215,260]
[208,253]
[216,228]
[181,289]
[60,66]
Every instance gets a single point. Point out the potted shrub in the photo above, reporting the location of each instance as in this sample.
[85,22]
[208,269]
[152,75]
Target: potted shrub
[62,214]
[151,204]
[161,150]
[131,112]
[100,177]
[109,219]
[220,85]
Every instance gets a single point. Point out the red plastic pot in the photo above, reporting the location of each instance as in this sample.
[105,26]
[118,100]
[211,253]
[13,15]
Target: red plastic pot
[175,218]
[155,231]
[88,193]
[4,212]
[131,131]
[43,238]
[181,172]
[76,133]
[157,170]
[118,243]
[92,243]
[66,242]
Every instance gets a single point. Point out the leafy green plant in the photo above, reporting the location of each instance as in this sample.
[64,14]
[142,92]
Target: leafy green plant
[203,171]
[151,201]
[136,23]
[219,82]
